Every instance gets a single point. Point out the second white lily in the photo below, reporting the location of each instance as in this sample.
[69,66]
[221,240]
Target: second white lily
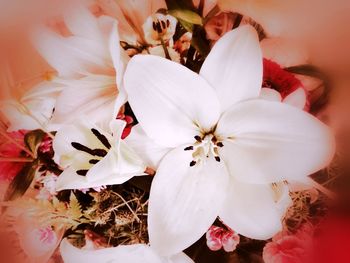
[94,157]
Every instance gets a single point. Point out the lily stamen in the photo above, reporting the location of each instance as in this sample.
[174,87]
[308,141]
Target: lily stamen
[204,147]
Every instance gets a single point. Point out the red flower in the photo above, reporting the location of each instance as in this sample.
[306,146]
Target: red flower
[129,123]
[10,154]
[281,80]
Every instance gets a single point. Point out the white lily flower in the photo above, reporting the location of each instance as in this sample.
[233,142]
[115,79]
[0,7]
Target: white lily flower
[94,157]
[159,27]
[33,110]
[227,152]
[123,254]
[90,66]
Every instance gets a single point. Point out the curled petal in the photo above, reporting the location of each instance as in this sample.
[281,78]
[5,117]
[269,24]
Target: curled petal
[297,98]
[252,211]
[270,94]
[151,152]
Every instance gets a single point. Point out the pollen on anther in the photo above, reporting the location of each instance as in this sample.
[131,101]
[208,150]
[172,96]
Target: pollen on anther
[82,172]
[220,144]
[93,161]
[189,148]
[163,24]
[198,138]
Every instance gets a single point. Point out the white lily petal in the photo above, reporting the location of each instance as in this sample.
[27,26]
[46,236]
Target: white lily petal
[125,254]
[33,110]
[93,96]
[28,115]
[101,174]
[86,51]
[119,57]
[65,55]
[120,101]
[234,66]
[81,22]
[69,179]
[145,147]
[271,141]
[114,169]
[112,9]
[252,211]
[45,89]
[297,98]
[178,258]
[184,201]
[116,128]
[270,94]
[169,100]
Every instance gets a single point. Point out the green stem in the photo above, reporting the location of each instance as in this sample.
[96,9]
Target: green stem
[166,51]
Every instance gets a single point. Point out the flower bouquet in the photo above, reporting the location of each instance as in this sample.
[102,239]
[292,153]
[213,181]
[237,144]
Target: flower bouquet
[164,131]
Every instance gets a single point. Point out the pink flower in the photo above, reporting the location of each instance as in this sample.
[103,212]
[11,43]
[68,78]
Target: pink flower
[218,25]
[289,248]
[183,43]
[218,238]
[10,152]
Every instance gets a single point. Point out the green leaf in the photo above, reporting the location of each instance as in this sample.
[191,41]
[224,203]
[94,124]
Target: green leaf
[187,16]
[74,207]
[33,139]
[180,4]
[187,26]
[308,70]
[21,182]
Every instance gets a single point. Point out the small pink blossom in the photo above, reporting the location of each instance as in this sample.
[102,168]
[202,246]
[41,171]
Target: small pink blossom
[218,238]
[38,241]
